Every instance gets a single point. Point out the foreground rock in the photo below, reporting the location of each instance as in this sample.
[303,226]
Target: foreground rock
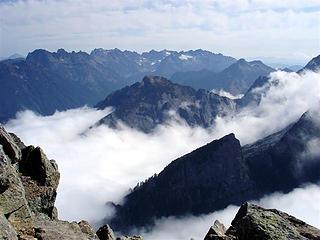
[106,233]
[256,223]
[28,190]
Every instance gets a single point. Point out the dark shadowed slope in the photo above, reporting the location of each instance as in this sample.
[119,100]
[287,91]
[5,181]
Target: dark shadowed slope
[285,156]
[204,180]
[148,103]
[223,173]
[313,65]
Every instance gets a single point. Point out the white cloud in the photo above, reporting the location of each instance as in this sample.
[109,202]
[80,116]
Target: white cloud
[223,93]
[291,97]
[100,165]
[237,28]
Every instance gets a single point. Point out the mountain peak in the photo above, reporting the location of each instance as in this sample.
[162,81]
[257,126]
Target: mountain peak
[40,55]
[197,179]
[154,80]
[314,64]
[242,61]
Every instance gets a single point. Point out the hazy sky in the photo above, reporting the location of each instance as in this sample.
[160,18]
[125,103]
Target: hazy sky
[287,29]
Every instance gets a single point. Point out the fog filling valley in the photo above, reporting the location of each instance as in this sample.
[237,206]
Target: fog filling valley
[101,164]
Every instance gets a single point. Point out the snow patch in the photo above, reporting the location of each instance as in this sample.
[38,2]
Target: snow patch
[185,57]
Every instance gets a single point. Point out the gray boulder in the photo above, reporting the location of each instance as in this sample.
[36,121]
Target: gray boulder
[256,223]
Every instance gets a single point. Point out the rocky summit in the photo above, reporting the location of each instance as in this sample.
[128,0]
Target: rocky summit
[28,190]
[150,102]
[256,223]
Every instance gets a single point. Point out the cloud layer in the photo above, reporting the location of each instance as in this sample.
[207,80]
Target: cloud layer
[101,164]
[238,28]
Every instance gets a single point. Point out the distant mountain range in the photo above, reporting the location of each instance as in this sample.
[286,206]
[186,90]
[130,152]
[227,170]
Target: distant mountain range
[13,57]
[146,104]
[45,82]
[223,173]
[235,79]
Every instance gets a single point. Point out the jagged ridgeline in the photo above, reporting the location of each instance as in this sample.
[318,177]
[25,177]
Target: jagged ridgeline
[48,81]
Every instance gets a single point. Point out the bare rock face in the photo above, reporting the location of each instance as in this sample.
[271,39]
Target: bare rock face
[28,190]
[217,232]
[106,233]
[40,179]
[256,223]
[9,145]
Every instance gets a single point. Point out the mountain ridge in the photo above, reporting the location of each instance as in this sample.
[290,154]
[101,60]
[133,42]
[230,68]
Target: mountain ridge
[146,104]
[45,82]
[235,79]
[272,164]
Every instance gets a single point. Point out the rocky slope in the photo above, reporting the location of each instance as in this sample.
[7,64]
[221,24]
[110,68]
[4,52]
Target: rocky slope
[253,97]
[28,189]
[287,156]
[48,81]
[235,79]
[255,223]
[223,173]
[148,103]
[313,65]
[198,182]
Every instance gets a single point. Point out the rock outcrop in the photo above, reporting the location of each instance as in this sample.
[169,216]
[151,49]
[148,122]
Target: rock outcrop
[256,223]
[28,190]
[106,233]
[146,104]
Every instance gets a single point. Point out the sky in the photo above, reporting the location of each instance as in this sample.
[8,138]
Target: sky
[280,31]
